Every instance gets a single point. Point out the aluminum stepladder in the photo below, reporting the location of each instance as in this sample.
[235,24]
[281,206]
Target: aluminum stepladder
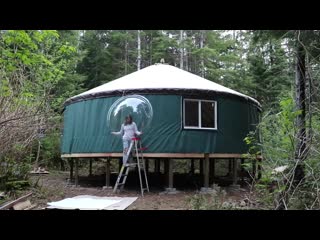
[137,152]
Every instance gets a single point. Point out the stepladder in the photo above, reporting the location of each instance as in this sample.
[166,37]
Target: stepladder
[134,153]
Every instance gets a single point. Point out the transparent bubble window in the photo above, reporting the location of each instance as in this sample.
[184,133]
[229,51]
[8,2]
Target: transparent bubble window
[137,106]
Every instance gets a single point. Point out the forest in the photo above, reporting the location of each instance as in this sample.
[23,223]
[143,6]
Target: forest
[41,69]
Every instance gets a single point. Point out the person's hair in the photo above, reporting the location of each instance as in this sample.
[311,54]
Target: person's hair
[128,117]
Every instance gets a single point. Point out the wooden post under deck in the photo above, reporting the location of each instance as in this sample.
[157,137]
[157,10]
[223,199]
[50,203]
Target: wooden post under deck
[242,170]
[192,167]
[147,165]
[206,171]
[170,173]
[77,172]
[230,167]
[120,164]
[166,170]
[157,165]
[71,168]
[108,173]
[90,167]
[235,171]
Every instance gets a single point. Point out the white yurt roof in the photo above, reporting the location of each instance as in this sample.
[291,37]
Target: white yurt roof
[157,77]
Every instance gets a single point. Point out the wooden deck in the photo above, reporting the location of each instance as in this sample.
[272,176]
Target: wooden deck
[157,155]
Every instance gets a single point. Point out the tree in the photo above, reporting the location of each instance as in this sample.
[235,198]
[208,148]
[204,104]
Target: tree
[31,64]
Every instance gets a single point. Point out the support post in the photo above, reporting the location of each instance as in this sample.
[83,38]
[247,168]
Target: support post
[90,167]
[169,167]
[157,166]
[201,166]
[234,186]
[170,173]
[77,171]
[166,166]
[230,167]
[192,167]
[206,171]
[108,173]
[147,165]
[71,168]
[120,164]
[235,172]
[242,170]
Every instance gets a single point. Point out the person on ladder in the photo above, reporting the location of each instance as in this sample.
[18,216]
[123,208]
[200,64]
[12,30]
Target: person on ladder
[128,131]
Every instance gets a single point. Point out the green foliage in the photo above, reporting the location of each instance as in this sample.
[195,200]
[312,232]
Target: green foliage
[14,174]
[214,201]
[16,185]
[33,67]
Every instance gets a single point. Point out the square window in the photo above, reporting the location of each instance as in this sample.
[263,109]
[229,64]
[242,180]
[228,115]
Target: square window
[207,114]
[200,114]
[191,113]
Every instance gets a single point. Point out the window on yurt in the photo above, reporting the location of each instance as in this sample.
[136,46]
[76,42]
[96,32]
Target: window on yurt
[199,114]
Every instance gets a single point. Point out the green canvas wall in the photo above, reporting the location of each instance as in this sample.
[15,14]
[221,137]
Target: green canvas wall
[86,129]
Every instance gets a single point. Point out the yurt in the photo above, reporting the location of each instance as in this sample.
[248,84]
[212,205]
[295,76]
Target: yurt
[180,114]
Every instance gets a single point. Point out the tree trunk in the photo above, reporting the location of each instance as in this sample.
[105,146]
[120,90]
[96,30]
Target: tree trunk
[202,58]
[181,49]
[150,46]
[300,82]
[139,51]
[126,57]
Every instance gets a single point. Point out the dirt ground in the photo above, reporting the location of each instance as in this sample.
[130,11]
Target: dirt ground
[55,187]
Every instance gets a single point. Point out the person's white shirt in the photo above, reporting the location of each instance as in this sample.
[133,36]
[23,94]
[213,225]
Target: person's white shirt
[128,131]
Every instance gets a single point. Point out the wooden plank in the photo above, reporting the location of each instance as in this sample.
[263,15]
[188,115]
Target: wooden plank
[158,155]
[226,155]
[91,155]
[148,155]
[14,202]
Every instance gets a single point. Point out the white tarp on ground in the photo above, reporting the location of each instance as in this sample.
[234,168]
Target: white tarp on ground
[87,202]
[162,76]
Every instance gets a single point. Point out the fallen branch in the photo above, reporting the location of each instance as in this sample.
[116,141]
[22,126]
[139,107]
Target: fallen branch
[14,202]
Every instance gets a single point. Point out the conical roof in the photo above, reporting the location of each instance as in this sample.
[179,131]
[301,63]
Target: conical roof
[158,77]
